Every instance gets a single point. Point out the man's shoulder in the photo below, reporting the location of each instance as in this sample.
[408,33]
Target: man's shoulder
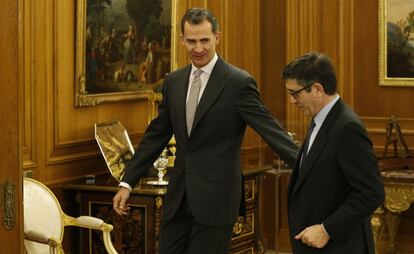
[234,70]
[180,71]
[347,117]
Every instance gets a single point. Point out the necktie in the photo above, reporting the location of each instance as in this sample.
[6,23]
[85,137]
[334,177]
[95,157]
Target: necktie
[307,139]
[193,100]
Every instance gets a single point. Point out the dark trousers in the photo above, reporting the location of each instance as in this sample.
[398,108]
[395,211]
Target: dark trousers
[183,234]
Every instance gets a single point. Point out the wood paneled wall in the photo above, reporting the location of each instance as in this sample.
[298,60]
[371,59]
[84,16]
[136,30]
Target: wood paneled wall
[347,31]
[325,26]
[58,139]
[257,35]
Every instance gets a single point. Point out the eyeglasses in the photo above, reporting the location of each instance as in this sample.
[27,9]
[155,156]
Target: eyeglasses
[295,93]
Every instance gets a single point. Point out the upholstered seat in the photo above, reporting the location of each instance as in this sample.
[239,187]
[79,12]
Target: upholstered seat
[44,221]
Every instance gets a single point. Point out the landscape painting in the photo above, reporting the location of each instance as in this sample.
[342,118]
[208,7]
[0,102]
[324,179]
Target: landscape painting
[396,19]
[124,46]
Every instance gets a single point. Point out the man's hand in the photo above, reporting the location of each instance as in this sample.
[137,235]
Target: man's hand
[314,236]
[119,201]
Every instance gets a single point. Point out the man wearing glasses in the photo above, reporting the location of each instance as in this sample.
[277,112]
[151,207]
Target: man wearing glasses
[335,185]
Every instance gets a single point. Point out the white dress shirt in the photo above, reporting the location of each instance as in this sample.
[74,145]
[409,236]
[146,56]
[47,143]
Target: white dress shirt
[319,118]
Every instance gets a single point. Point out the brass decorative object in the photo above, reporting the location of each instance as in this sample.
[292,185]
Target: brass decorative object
[9,205]
[115,146]
[377,224]
[117,150]
[153,100]
[172,148]
[161,165]
[397,140]
[399,196]
[238,226]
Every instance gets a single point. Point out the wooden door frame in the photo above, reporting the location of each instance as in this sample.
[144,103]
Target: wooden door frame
[11,226]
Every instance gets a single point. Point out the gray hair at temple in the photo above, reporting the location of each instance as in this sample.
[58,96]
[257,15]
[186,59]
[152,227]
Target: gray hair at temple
[195,16]
[313,67]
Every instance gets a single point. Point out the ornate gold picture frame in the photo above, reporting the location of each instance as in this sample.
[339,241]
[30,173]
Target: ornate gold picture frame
[124,48]
[396,42]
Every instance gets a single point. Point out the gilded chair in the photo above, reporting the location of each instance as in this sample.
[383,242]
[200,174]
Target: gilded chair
[44,221]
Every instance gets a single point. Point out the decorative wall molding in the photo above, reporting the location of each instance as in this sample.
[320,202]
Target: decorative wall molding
[29,130]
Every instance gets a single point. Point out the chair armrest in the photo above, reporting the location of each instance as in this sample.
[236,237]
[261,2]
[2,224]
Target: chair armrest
[40,238]
[95,223]
[89,222]
[36,237]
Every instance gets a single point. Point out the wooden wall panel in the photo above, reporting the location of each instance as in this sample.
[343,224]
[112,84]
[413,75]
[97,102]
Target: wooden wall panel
[372,99]
[58,139]
[29,134]
[324,26]
[273,57]
[243,49]
[72,126]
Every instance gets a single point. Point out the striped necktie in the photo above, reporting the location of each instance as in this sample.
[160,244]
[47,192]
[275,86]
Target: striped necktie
[192,101]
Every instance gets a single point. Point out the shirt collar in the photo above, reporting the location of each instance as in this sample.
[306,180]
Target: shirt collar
[321,115]
[208,68]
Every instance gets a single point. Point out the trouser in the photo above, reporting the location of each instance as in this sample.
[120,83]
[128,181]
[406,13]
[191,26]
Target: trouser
[183,234]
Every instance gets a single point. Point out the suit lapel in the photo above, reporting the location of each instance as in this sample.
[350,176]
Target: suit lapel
[295,171]
[317,147]
[182,87]
[307,164]
[213,88]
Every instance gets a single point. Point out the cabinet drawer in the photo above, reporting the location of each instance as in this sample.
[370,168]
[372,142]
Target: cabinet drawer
[133,233]
[250,190]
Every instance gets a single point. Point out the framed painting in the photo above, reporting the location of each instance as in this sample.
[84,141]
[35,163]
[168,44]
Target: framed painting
[396,42]
[124,48]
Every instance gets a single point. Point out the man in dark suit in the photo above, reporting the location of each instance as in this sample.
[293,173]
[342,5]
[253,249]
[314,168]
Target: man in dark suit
[204,195]
[335,185]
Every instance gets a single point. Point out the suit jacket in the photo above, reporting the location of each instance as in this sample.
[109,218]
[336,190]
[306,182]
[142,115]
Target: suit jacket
[338,185]
[207,165]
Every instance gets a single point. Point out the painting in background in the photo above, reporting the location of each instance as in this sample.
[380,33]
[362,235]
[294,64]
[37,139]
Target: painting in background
[397,42]
[127,46]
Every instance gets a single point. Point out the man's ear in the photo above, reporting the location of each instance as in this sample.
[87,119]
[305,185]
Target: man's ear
[218,35]
[319,87]
[182,39]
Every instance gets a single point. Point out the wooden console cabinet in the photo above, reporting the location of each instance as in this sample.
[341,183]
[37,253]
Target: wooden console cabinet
[139,232]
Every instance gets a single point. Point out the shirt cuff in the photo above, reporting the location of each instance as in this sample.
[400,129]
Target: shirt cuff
[125,185]
[326,232]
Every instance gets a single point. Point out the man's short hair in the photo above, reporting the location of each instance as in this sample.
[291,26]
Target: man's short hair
[313,67]
[196,16]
